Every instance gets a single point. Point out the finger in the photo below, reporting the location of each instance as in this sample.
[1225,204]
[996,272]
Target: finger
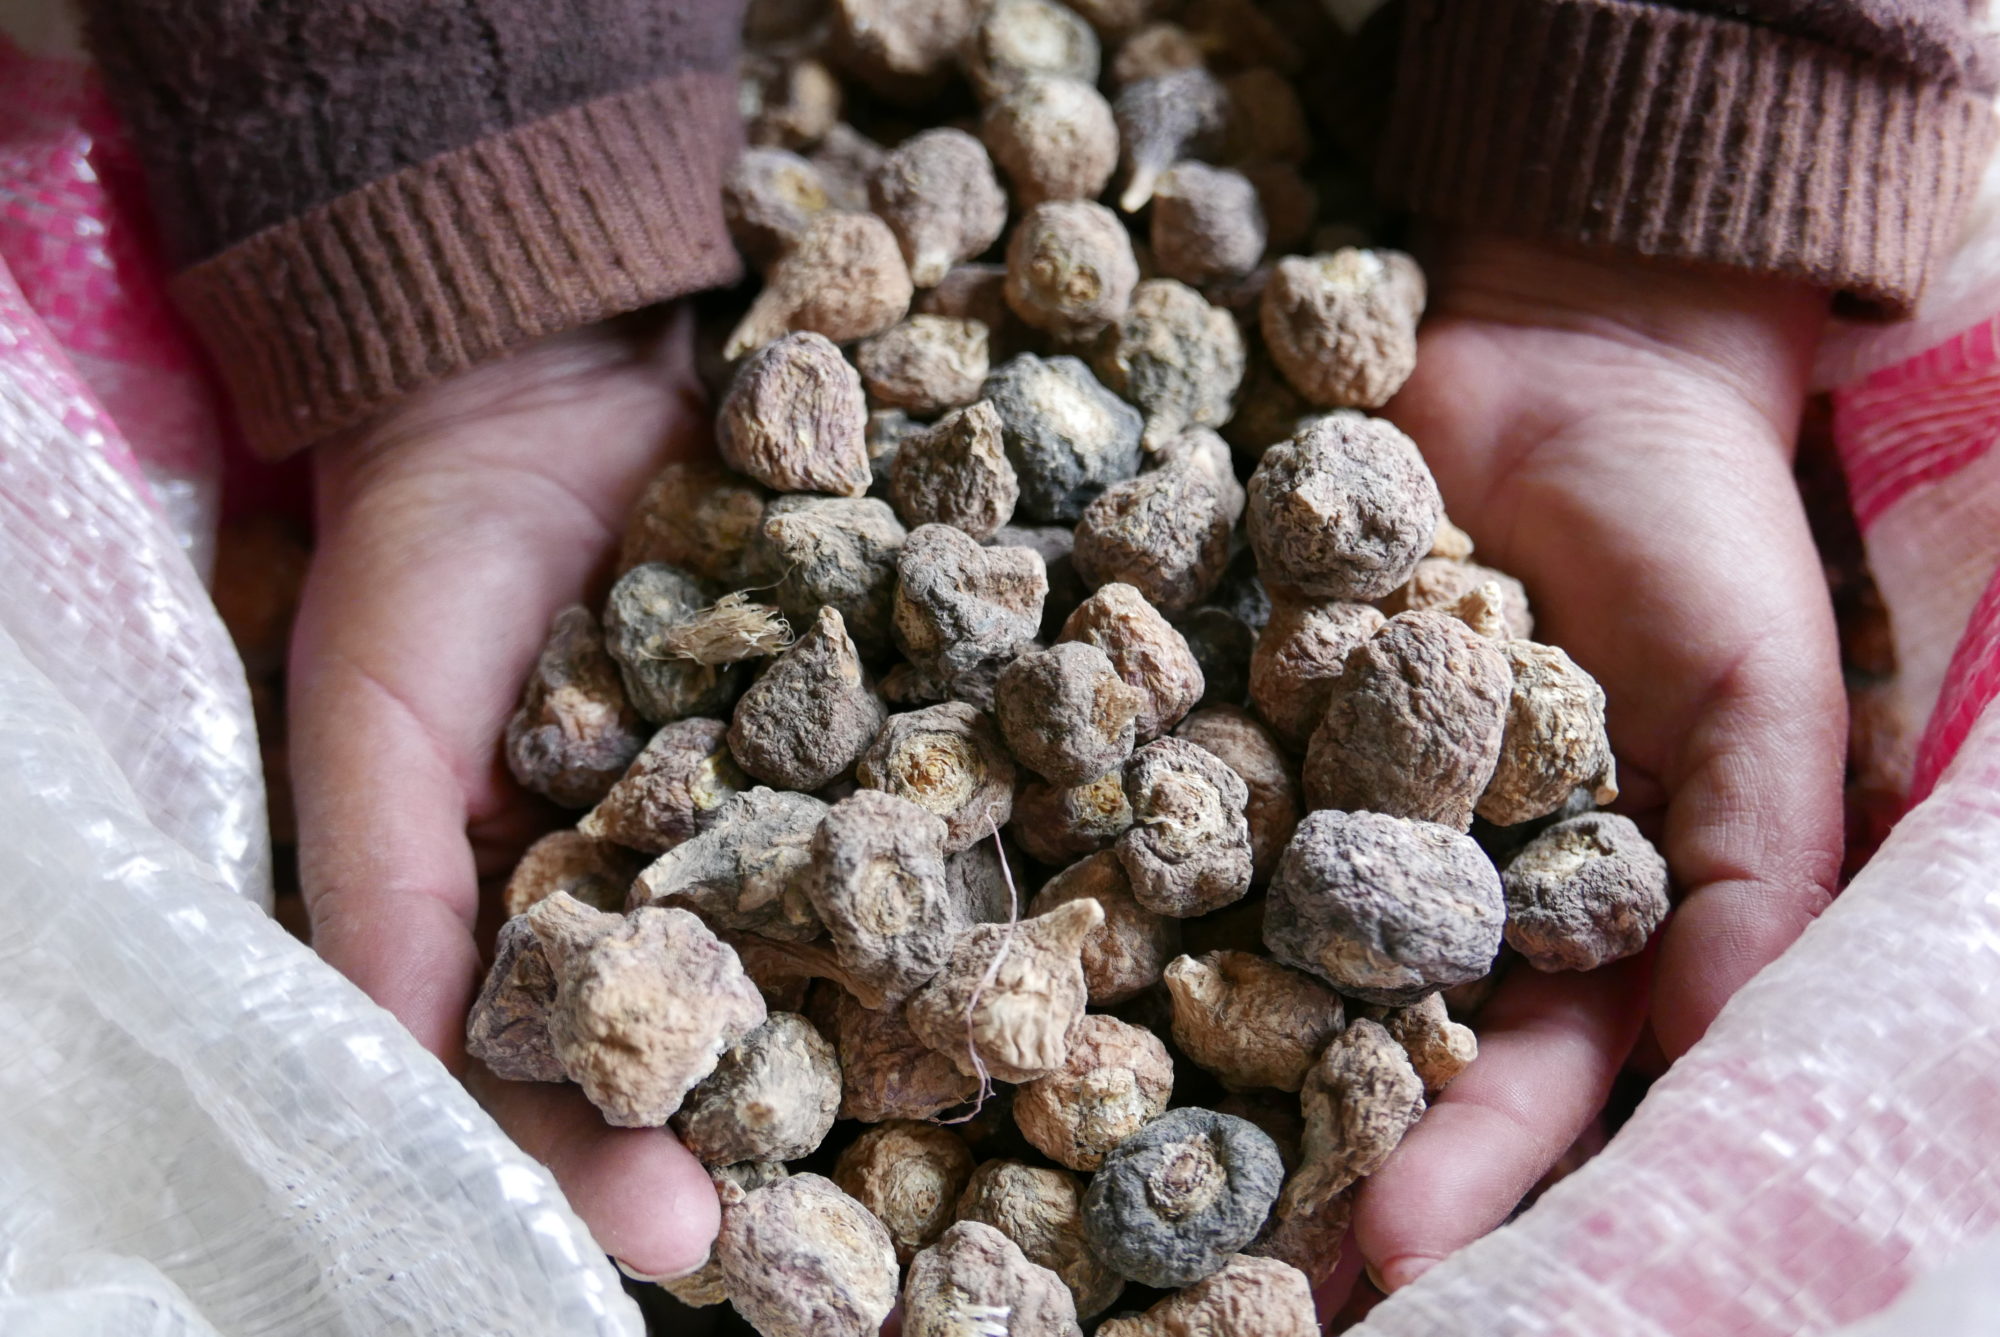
[1549,1047]
[1333,1294]
[647,1201]
[1754,831]
[388,874]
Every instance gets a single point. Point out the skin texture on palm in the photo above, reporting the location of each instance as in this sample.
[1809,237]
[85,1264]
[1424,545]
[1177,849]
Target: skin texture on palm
[1620,438]
[448,537]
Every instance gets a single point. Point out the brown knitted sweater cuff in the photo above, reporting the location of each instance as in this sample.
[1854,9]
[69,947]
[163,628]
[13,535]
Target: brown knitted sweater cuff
[322,322]
[1684,137]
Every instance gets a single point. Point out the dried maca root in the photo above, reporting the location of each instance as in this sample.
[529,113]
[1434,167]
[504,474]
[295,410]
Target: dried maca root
[1019,39]
[1290,204]
[802,1259]
[1554,741]
[1054,138]
[835,552]
[1310,1241]
[788,102]
[772,1097]
[1586,891]
[1299,657]
[1115,19]
[948,760]
[909,1175]
[1054,544]
[746,871]
[978,291]
[1343,327]
[926,365]
[887,430]
[1384,909]
[768,199]
[1439,1048]
[1070,268]
[1068,437]
[811,714]
[974,1277]
[1040,1209]
[1175,356]
[878,884]
[938,193]
[654,626]
[1066,713]
[1268,410]
[1173,1201]
[1267,123]
[961,610]
[1245,746]
[1188,849]
[574,733]
[847,161]
[1208,224]
[1014,1019]
[1440,582]
[1123,956]
[1117,1079]
[956,473]
[1163,120]
[1414,725]
[644,1010]
[903,50]
[844,277]
[698,518]
[1059,824]
[1164,533]
[981,879]
[1145,650]
[1359,1100]
[705,1286]
[1251,1022]
[795,418]
[1343,510]
[596,872]
[1246,1297]
[675,789]
[886,1072]
[1221,643]
[508,1027]
[1153,50]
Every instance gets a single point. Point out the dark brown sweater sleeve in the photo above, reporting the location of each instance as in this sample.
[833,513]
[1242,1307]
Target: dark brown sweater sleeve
[1833,141]
[362,197]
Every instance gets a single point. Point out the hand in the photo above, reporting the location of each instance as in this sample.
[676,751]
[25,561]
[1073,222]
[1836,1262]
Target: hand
[449,535]
[1619,437]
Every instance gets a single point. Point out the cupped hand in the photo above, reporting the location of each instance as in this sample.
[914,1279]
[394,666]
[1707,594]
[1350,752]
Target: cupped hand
[449,535]
[1619,436]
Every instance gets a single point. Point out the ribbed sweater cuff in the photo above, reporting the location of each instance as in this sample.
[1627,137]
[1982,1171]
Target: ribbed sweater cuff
[322,322]
[1684,137]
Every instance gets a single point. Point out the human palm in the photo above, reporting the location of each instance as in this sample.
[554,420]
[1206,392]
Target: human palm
[449,536]
[1620,439]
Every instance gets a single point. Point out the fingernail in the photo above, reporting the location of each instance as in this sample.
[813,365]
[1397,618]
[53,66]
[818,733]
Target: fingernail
[657,1277]
[1400,1271]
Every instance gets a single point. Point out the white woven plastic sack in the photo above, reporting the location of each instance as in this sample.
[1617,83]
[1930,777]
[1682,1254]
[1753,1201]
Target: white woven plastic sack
[1834,1140]
[207,1130]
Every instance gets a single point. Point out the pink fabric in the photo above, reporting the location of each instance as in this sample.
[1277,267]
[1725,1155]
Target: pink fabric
[1908,437]
[74,235]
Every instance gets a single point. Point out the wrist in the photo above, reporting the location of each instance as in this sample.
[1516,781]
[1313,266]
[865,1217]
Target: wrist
[1751,333]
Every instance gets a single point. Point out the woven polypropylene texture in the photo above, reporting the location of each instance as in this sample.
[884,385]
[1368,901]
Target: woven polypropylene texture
[1835,1137]
[209,1130]
[103,600]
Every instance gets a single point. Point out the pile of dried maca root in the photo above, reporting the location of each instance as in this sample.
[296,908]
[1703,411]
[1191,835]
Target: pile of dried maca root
[1061,775]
